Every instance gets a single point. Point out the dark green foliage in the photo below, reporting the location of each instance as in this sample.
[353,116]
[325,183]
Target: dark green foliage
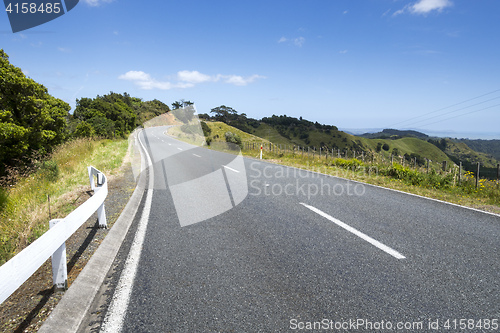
[110,115]
[31,121]
[113,115]
[148,110]
[180,104]
[224,113]
[84,130]
[385,147]
[441,144]
[206,130]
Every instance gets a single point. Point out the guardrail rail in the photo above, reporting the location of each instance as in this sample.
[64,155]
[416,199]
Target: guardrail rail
[52,243]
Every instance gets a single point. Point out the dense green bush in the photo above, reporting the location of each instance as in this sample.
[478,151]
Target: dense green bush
[32,122]
[233,138]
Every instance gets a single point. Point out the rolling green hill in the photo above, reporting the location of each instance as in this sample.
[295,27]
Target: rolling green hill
[284,130]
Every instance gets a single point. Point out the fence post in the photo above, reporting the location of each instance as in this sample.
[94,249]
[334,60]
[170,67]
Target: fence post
[477,175]
[498,171]
[59,267]
[460,173]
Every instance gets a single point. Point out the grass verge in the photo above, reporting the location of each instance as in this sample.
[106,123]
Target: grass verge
[434,183]
[24,208]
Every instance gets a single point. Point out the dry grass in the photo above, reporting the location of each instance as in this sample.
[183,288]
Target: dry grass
[25,213]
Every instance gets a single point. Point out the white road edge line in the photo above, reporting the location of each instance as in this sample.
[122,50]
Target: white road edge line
[358,233]
[113,321]
[196,155]
[225,166]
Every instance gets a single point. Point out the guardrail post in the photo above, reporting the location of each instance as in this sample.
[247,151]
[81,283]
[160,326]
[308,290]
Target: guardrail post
[59,267]
[101,212]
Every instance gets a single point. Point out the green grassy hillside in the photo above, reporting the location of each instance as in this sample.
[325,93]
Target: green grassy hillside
[460,151]
[409,146]
[218,130]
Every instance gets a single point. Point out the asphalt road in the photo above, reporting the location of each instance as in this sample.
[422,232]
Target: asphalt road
[275,249]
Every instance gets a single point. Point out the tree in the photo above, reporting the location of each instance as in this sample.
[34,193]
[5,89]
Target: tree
[224,113]
[176,105]
[109,115]
[181,104]
[31,120]
[84,129]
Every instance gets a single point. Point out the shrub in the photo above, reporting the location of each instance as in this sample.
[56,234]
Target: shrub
[233,138]
[353,163]
[206,130]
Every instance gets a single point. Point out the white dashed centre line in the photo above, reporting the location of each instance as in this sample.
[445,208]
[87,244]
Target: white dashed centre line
[225,166]
[358,233]
[196,155]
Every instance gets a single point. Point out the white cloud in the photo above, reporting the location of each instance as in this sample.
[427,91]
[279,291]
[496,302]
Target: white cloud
[343,52]
[64,49]
[426,6]
[186,79]
[423,7]
[193,77]
[299,41]
[95,3]
[145,81]
[238,80]
[135,76]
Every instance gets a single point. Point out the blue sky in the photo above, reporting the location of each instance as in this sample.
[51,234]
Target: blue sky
[431,65]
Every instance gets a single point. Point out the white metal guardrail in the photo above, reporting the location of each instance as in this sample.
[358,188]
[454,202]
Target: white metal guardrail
[52,243]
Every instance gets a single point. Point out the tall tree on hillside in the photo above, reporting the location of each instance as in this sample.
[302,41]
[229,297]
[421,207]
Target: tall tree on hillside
[181,104]
[31,120]
[224,113]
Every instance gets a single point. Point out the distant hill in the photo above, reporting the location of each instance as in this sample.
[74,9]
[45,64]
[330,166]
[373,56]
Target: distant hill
[490,147]
[394,134]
